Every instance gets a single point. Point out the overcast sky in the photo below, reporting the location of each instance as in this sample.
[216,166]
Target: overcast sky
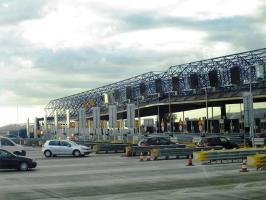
[54,48]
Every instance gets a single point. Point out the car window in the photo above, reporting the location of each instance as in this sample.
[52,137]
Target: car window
[6,142]
[5,154]
[54,143]
[152,141]
[212,141]
[164,141]
[65,144]
[223,140]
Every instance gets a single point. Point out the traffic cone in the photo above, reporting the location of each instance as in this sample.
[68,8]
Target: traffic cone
[244,167]
[148,157]
[141,157]
[189,162]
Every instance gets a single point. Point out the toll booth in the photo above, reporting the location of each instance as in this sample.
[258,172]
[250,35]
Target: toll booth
[231,126]
[214,126]
[263,125]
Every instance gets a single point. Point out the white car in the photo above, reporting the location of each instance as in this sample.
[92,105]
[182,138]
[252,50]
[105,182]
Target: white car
[64,147]
[9,145]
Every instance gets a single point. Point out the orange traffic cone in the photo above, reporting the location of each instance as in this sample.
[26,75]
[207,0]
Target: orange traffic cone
[189,162]
[141,157]
[148,157]
[244,167]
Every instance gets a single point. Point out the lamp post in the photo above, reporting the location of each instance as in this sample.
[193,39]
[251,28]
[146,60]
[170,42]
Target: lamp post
[207,114]
[138,115]
[158,114]
[169,110]
[251,128]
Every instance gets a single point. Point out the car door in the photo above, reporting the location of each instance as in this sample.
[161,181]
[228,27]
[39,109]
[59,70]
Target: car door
[54,146]
[65,148]
[225,143]
[152,141]
[7,160]
[164,141]
[212,141]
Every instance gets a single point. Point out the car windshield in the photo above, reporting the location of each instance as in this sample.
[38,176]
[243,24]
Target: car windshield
[5,154]
[72,143]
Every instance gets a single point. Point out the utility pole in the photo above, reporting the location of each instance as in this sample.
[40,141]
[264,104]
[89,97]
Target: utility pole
[251,129]
[158,114]
[207,113]
[169,110]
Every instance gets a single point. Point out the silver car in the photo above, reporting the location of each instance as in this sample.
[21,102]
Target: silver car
[64,147]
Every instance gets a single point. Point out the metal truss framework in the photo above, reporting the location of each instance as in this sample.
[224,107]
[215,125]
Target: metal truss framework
[245,61]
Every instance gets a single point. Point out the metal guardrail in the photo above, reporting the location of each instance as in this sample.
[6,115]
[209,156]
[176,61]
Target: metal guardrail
[259,141]
[137,150]
[209,157]
[169,152]
[108,147]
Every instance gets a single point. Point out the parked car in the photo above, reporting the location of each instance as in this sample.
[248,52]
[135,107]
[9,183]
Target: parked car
[64,147]
[260,135]
[9,160]
[212,141]
[157,140]
[11,146]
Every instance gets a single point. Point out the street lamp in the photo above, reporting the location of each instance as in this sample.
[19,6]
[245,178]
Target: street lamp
[138,115]
[158,114]
[169,110]
[207,113]
[251,129]
[206,106]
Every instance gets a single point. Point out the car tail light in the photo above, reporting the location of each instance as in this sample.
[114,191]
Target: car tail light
[144,144]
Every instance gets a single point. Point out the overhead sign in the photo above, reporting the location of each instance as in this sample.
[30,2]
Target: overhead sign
[105,97]
[260,72]
[130,115]
[84,104]
[112,116]
[92,103]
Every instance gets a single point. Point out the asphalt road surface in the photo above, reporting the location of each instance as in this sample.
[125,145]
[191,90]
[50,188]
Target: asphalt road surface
[110,176]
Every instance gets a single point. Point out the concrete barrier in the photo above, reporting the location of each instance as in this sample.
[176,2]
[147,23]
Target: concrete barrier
[225,156]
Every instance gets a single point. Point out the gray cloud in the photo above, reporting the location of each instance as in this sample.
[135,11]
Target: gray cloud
[14,11]
[70,70]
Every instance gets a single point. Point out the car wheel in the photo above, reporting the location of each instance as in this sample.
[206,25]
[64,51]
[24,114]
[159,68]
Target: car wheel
[47,153]
[76,153]
[23,166]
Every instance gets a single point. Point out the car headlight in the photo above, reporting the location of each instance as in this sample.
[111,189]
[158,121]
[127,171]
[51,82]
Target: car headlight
[83,148]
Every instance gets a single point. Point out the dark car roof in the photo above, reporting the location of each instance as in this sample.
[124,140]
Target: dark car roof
[161,136]
[214,136]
